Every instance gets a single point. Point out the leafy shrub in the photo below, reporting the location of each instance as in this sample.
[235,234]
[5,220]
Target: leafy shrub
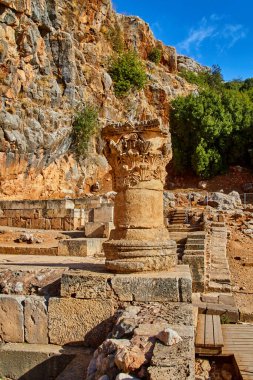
[84,126]
[155,55]
[127,72]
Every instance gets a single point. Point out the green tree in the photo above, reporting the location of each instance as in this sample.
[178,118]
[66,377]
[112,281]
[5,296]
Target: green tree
[211,130]
[205,78]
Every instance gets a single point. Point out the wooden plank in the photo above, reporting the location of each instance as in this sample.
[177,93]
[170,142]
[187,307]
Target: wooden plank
[238,339]
[209,335]
[217,332]
[200,334]
[208,351]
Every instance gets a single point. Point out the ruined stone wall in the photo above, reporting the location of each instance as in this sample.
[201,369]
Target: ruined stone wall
[66,215]
[82,312]
[53,58]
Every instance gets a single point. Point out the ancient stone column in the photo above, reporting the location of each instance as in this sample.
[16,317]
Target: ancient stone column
[138,155]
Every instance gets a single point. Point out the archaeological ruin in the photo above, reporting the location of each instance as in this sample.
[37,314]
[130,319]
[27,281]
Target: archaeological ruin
[124,285]
[116,264]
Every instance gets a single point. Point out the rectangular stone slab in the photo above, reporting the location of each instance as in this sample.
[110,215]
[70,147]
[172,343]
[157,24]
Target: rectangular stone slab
[11,319]
[170,286]
[39,362]
[78,321]
[84,284]
[80,247]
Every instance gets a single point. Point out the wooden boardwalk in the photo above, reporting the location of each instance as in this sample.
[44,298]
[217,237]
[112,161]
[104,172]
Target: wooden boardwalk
[209,339]
[238,341]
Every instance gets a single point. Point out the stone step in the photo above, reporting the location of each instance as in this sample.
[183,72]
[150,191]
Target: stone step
[218,287]
[193,252]
[33,361]
[178,228]
[194,240]
[217,267]
[221,278]
[195,247]
[31,249]
[196,235]
[218,224]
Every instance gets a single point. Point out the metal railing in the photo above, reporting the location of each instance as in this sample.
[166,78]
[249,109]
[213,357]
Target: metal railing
[246,198]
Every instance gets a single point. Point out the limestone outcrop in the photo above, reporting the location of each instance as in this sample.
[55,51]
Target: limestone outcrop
[54,58]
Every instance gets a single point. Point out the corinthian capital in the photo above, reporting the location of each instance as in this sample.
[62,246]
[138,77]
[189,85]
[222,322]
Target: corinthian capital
[136,152]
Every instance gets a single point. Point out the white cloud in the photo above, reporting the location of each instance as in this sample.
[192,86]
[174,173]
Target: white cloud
[156,27]
[212,28]
[196,37]
[234,33]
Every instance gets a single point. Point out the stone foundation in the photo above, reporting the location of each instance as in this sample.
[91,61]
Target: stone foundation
[88,301]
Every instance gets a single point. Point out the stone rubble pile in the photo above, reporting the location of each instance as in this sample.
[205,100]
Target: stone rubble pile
[223,201]
[202,369]
[248,228]
[133,345]
[28,238]
[216,200]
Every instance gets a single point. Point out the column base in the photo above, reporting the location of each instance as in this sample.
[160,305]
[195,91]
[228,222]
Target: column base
[129,256]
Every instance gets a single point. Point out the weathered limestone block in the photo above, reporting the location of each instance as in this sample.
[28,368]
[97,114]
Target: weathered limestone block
[84,284]
[56,223]
[103,214]
[75,321]
[11,319]
[40,362]
[172,286]
[22,205]
[176,361]
[197,267]
[60,204]
[138,155]
[175,372]
[98,230]
[36,320]
[80,247]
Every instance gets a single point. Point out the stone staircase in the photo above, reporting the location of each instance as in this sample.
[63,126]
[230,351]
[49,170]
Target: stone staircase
[218,278]
[194,256]
[182,232]
[178,216]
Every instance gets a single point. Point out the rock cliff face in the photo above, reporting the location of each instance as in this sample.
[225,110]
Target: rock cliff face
[53,58]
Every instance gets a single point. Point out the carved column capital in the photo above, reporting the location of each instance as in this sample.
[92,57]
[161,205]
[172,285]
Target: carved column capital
[136,152]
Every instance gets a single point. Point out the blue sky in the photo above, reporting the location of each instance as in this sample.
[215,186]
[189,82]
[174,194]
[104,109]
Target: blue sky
[210,31]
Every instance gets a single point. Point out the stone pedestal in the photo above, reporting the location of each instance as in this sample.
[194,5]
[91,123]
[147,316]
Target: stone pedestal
[138,155]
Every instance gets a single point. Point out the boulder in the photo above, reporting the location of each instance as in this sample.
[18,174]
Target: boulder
[169,337]
[223,201]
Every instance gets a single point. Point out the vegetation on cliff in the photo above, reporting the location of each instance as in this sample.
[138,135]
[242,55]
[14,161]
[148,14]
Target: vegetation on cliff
[84,126]
[213,128]
[127,72]
[155,55]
